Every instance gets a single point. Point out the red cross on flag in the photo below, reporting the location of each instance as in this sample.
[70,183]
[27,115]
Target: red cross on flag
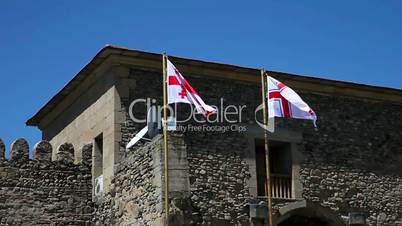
[286,103]
[180,91]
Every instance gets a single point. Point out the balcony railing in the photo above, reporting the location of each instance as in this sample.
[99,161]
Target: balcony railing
[281,186]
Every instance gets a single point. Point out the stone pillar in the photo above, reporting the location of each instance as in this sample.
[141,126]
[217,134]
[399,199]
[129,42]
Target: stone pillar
[179,182]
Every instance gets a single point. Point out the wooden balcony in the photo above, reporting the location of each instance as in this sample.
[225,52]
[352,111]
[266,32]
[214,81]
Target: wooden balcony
[281,186]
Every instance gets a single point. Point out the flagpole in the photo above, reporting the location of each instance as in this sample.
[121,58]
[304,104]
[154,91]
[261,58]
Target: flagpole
[267,168]
[165,142]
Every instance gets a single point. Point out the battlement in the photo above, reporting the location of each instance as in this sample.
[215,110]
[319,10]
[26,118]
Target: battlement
[42,152]
[44,191]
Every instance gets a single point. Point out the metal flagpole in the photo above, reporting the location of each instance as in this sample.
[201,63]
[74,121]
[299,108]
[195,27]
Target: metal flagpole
[165,142]
[268,171]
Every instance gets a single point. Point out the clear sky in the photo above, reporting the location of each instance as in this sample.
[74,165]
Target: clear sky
[44,44]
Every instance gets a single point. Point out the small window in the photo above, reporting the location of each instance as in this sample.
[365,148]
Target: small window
[98,165]
[98,156]
[280,166]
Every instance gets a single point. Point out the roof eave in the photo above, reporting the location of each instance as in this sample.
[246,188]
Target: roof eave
[106,51]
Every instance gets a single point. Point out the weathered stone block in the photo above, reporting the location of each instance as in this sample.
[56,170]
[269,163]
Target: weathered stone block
[133,209]
[258,211]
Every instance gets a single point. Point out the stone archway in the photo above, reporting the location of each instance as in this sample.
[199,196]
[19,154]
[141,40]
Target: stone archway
[307,214]
[303,220]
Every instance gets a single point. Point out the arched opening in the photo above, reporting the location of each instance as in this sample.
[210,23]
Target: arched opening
[297,220]
[307,214]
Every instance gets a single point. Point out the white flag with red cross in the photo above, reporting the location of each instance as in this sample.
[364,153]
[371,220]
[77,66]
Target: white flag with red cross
[180,91]
[286,103]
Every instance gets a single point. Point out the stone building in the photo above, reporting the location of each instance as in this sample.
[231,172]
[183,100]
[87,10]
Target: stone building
[349,171]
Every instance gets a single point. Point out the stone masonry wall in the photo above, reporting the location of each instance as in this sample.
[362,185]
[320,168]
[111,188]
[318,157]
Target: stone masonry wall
[222,160]
[218,177]
[139,79]
[135,193]
[42,192]
[352,162]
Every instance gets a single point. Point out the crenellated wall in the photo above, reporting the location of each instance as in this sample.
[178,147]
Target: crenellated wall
[45,192]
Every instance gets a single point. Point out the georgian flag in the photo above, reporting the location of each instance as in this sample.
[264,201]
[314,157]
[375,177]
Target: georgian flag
[286,103]
[180,91]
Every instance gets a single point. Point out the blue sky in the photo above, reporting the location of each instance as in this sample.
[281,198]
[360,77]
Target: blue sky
[45,43]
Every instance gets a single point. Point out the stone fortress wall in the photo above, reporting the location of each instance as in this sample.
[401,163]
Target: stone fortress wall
[45,192]
[135,195]
[352,163]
